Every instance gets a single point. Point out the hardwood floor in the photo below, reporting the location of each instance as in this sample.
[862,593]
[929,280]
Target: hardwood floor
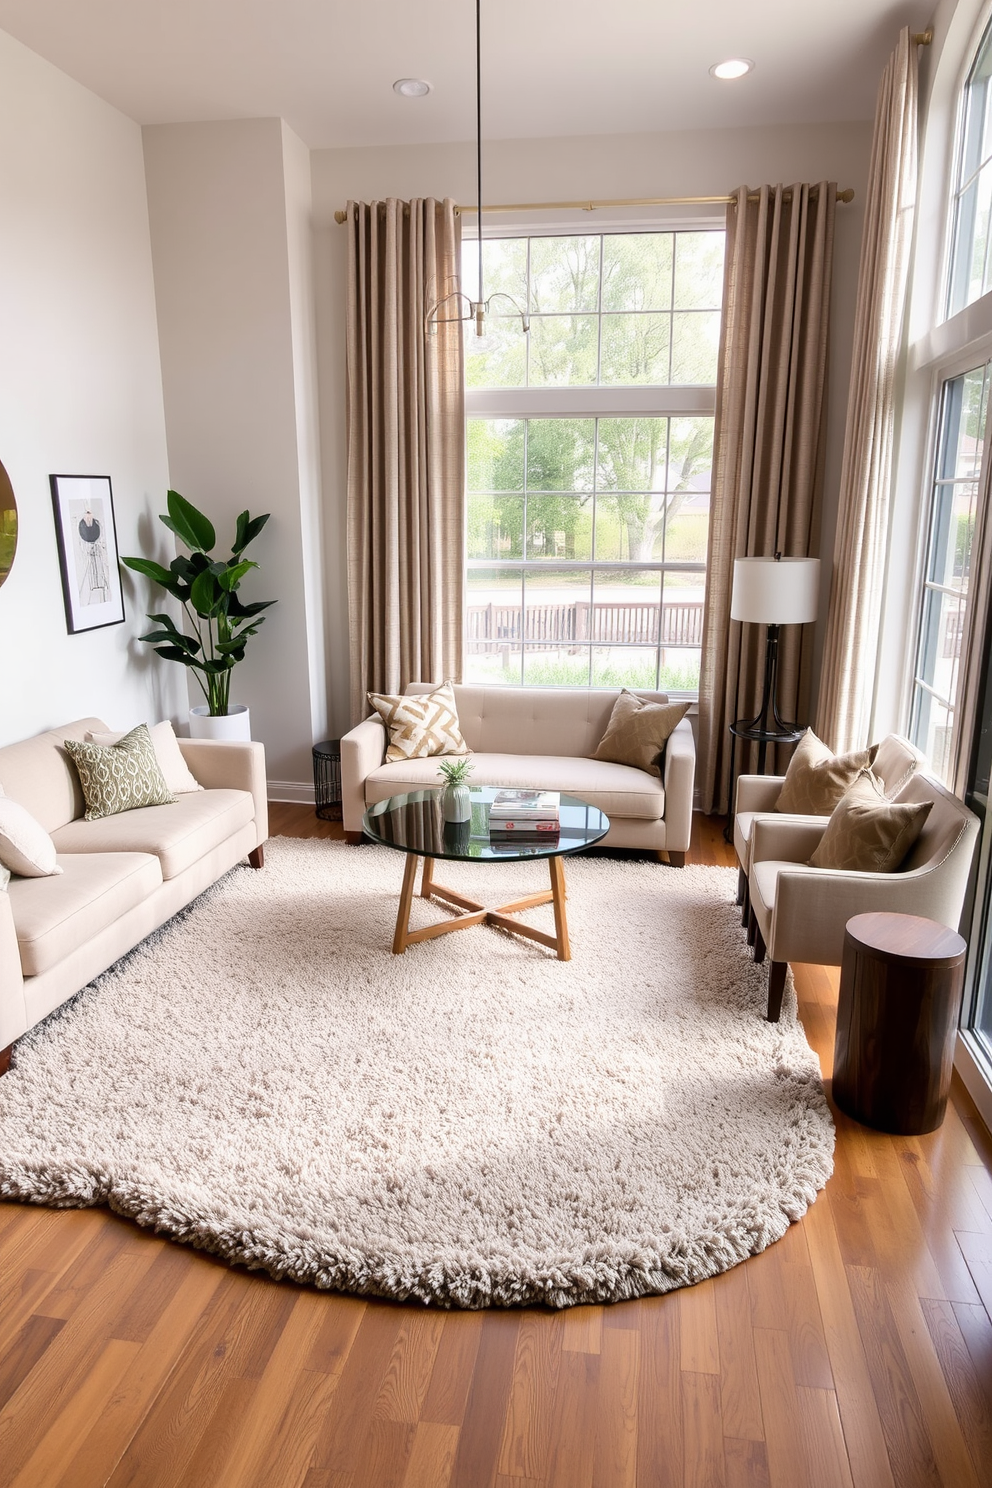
[855,1353]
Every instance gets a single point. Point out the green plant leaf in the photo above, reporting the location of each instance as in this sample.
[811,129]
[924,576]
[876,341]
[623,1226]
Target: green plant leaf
[206,595]
[247,530]
[232,576]
[173,653]
[195,530]
[150,570]
[237,609]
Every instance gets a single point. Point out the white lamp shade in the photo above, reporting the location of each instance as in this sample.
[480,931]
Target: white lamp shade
[775,591]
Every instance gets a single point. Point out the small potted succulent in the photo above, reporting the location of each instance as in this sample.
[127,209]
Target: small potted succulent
[456,800]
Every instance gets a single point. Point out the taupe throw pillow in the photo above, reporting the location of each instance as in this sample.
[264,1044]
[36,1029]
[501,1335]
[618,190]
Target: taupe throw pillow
[119,777]
[638,731]
[420,726]
[868,833]
[816,779]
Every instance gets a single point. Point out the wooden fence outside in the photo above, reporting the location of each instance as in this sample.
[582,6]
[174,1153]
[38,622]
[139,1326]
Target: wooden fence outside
[490,627]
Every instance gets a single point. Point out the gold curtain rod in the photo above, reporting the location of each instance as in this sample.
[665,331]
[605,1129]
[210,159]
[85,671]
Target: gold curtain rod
[630,201]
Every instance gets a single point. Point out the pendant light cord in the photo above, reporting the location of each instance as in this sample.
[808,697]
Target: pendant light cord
[478,129]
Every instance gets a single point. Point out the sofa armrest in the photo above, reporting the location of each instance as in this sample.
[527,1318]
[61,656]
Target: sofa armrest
[220,765]
[680,770]
[13,1010]
[788,839]
[362,751]
[757,792]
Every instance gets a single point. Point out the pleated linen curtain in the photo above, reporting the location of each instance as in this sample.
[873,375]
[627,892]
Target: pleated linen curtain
[406,447]
[768,447]
[850,654]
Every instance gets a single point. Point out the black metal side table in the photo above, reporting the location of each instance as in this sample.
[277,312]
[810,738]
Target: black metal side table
[327,779]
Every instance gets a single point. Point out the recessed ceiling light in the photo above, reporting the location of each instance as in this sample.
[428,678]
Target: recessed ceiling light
[411,87]
[734,67]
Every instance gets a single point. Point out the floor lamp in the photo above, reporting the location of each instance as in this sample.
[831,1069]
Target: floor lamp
[773,592]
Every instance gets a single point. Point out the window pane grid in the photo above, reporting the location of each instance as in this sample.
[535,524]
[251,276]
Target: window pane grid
[971,258]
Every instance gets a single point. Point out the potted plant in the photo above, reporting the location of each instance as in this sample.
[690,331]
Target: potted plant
[219,623]
[456,801]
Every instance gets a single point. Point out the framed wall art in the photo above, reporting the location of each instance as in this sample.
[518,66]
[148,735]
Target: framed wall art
[87,537]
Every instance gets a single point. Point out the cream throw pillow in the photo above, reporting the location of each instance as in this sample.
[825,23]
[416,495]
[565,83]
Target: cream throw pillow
[170,757]
[25,846]
[868,833]
[816,779]
[638,731]
[119,777]
[420,726]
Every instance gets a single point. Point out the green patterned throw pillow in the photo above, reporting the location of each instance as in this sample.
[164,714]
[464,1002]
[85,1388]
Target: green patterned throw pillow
[119,777]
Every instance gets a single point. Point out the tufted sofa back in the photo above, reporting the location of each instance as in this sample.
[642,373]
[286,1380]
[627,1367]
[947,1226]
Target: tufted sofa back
[533,720]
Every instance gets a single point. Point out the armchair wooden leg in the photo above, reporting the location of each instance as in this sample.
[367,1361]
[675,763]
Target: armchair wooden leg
[776,989]
[752,925]
[5,1058]
[355,839]
[741,886]
[677,859]
[257,856]
[759,947]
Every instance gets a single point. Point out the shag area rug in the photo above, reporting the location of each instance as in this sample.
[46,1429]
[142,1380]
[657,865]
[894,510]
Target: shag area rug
[473,1123]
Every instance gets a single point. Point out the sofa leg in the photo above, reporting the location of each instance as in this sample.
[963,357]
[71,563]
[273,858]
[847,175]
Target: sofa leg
[257,856]
[5,1058]
[776,989]
[676,859]
[355,839]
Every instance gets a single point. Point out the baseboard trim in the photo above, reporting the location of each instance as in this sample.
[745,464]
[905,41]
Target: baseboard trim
[974,1077]
[300,792]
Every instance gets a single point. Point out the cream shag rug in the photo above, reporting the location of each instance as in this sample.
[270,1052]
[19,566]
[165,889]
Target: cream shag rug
[473,1123]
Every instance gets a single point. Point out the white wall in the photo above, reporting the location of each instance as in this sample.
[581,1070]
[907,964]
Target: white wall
[80,389]
[699,163]
[228,206]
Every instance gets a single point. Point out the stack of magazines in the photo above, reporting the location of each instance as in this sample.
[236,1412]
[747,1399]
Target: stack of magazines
[522,815]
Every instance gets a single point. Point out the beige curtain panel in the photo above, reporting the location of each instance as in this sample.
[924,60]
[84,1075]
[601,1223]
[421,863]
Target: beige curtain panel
[768,448]
[844,715]
[406,448]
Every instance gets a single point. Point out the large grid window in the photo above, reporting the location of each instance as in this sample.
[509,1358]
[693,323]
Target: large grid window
[953,506]
[971,259]
[587,525]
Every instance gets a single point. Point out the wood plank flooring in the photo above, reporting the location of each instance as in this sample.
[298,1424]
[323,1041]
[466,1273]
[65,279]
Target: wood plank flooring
[855,1353]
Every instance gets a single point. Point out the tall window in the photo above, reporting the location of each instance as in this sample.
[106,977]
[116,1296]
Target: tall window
[971,259]
[953,506]
[590,446]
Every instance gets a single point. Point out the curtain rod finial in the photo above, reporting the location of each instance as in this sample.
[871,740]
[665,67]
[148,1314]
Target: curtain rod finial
[847,195]
[922,38]
[340,217]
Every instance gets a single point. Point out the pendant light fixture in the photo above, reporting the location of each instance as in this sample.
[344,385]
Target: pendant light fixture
[478,310]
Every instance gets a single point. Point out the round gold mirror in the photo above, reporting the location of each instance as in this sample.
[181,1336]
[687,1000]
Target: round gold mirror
[8,524]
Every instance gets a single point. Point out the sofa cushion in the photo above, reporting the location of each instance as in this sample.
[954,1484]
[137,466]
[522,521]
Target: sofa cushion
[420,725]
[178,835]
[817,778]
[618,790]
[53,916]
[38,773]
[867,833]
[175,770]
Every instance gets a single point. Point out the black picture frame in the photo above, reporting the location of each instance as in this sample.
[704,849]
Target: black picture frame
[86,531]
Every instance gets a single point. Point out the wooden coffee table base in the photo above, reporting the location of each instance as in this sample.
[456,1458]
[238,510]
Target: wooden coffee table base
[474,913]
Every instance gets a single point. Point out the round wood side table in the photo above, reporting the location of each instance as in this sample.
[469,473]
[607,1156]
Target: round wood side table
[897,1016]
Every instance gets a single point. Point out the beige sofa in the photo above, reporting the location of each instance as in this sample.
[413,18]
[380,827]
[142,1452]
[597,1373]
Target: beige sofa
[122,876]
[528,736]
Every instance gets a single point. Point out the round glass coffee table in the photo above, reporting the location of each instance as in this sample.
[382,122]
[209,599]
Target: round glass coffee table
[413,824]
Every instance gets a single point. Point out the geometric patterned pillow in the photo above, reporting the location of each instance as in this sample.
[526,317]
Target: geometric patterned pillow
[119,777]
[638,731]
[817,778]
[420,726]
[868,833]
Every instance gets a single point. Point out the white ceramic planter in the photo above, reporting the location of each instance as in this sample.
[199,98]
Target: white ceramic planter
[235,725]
[456,803]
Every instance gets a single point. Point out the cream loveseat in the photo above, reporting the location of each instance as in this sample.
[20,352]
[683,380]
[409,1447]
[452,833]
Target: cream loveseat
[523,736]
[122,876]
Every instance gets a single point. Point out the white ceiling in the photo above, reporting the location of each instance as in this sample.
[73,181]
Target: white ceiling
[550,67]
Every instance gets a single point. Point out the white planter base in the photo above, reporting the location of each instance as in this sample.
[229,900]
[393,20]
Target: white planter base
[234,726]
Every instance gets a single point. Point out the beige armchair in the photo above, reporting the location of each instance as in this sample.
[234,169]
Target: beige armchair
[800,912]
[897,759]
